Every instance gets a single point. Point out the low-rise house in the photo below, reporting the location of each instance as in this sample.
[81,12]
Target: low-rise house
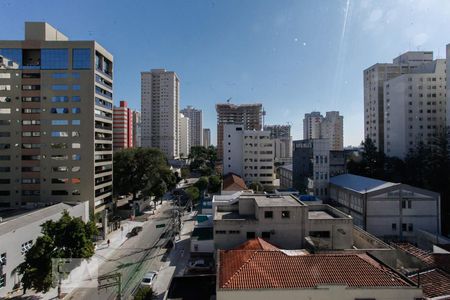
[258,270]
[233,183]
[392,211]
[283,220]
[18,234]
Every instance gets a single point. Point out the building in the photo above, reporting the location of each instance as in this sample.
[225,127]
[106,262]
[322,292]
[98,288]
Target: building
[392,211]
[160,94]
[247,115]
[185,138]
[285,174]
[206,137]
[282,140]
[249,154]
[330,127]
[375,78]
[56,115]
[137,129]
[415,108]
[18,233]
[259,270]
[195,125]
[122,127]
[283,220]
[233,183]
[311,166]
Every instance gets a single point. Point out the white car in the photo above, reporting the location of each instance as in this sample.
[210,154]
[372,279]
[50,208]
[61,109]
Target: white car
[149,278]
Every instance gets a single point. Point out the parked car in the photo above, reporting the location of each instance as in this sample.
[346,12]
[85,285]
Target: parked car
[135,231]
[199,265]
[149,278]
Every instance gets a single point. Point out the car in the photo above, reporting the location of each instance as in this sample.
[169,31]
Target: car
[135,231]
[149,278]
[199,265]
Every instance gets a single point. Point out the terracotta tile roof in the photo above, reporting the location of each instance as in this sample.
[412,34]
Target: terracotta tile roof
[233,182]
[262,269]
[432,260]
[256,244]
[434,283]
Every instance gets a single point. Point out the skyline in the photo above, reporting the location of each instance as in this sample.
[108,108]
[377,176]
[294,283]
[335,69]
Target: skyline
[315,53]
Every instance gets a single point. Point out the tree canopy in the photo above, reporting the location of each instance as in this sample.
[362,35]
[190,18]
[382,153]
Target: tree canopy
[203,160]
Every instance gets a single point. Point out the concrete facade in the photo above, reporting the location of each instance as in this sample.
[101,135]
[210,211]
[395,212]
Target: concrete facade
[392,211]
[56,96]
[19,233]
[206,137]
[185,138]
[160,106]
[137,129]
[331,127]
[195,125]
[122,127]
[249,154]
[249,116]
[285,174]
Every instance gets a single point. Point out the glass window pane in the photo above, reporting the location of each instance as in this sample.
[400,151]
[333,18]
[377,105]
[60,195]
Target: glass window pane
[81,58]
[54,59]
[12,58]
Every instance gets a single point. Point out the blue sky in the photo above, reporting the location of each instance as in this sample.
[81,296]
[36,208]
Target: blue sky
[292,56]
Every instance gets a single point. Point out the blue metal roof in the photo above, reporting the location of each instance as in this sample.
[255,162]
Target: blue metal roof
[359,183]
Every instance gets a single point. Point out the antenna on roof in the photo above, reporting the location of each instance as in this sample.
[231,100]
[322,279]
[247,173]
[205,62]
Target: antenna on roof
[229,99]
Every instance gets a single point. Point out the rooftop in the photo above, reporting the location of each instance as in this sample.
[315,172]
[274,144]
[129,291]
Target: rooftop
[31,217]
[431,260]
[275,269]
[275,200]
[319,214]
[233,182]
[360,184]
[434,283]
[256,244]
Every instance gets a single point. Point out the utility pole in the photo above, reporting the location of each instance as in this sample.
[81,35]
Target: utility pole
[116,281]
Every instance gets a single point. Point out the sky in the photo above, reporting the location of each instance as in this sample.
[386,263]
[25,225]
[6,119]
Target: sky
[294,57]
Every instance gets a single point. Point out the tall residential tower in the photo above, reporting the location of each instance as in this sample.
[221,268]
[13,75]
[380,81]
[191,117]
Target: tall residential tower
[195,125]
[123,127]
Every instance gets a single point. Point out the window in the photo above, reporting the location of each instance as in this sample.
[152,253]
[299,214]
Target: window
[5,157]
[56,99]
[59,157]
[60,87]
[394,226]
[406,203]
[58,145]
[76,87]
[31,169]
[5,134]
[75,133]
[76,98]
[59,75]
[76,157]
[251,235]
[76,110]
[3,260]
[60,122]
[54,59]
[76,193]
[59,110]
[60,134]
[221,232]
[31,99]
[75,122]
[25,247]
[407,227]
[265,235]
[31,180]
[81,58]
[5,75]
[5,169]
[60,193]
[5,181]
[14,57]
[31,110]
[60,169]
[285,214]
[31,87]
[60,180]
[75,180]
[76,169]
[5,99]
[31,75]
[234,232]
[5,87]
[268,214]
[319,234]
[76,145]
[5,111]
[2,280]
[31,192]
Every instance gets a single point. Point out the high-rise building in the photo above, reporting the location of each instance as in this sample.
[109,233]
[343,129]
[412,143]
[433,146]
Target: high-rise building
[137,129]
[282,140]
[249,154]
[56,115]
[247,115]
[195,125]
[160,93]
[330,127]
[206,137]
[122,126]
[185,138]
[414,108]
[374,80]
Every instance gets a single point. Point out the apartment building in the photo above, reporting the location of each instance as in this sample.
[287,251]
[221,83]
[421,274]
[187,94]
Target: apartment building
[185,136]
[206,137]
[392,211]
[247,115]
[160,94]
[137,129]
[283,220]
[122,126]
[56,120]
[331,127]
[375,78]
[195,125]
[285,174]
[282,140]
[415,108]
[249,154]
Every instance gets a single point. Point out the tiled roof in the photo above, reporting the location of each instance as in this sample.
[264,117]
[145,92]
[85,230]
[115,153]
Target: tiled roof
[435,283]
[233,182]
[256,244]
[432,260]
[262,269]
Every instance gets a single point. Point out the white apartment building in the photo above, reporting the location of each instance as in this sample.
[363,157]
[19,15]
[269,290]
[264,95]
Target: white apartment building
[392,211]
[136,129]
[415,108]
[249,154]
[330,127]
[195,125]
[185,138]
[374,80]
[160,93]
[282,141]
[206,137]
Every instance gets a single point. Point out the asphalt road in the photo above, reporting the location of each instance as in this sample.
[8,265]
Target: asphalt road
[135,257]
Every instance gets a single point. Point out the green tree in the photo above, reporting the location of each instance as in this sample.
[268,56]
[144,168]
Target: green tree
[193,193]
[256,186]
[185,172]
[215,184]
[202,183]
[68,237]
[145,293]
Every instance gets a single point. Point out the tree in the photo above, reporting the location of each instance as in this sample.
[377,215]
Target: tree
[145,293]
[202,183]
[193,193]
[215,184]
[203,160]
[256,186]
[69,237]
[185,172]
